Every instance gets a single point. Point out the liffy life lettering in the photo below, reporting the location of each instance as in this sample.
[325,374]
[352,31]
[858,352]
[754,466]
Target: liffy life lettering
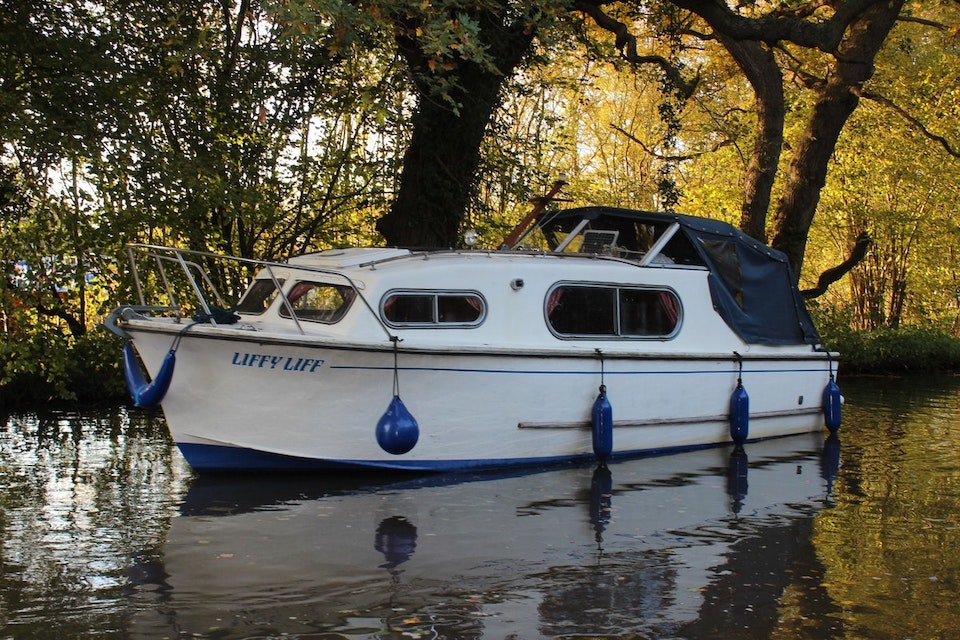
[279,363]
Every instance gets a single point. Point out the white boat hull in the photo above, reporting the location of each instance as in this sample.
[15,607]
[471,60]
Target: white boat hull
[239,404]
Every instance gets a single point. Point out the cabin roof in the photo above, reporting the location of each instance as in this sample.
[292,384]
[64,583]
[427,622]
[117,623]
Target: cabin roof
[350,257]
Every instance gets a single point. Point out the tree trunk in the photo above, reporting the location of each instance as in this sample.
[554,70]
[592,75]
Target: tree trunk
[759,65]
[439,166]
[836,101]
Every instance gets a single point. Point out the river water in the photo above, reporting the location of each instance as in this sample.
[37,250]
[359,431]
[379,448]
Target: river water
[106,533]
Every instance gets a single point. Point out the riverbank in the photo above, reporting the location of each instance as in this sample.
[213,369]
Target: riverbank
[910,349]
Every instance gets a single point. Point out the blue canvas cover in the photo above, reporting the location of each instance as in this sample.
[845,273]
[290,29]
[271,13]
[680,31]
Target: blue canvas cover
[752,285]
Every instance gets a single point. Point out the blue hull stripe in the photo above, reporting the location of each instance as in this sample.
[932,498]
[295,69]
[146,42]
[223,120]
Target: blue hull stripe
[584,372]
[205,457]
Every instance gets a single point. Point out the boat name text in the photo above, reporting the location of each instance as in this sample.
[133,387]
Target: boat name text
[282,363]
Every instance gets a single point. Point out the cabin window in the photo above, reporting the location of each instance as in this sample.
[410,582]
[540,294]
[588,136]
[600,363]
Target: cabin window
[611,311]
[433,309]
[258,297]
[318,301]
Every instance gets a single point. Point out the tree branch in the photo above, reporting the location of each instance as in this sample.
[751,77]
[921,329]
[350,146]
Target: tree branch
[833,274]
[626,44]
[913,120]
[926,23]
[774,27]
[659,156]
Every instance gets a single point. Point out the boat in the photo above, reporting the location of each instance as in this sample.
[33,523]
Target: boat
[592,332]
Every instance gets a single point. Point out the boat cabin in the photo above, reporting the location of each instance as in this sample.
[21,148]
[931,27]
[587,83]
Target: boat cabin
[751,285]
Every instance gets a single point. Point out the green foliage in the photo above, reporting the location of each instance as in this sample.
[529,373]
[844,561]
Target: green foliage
[93,369]
[202,123]
[886,350]
[53,366]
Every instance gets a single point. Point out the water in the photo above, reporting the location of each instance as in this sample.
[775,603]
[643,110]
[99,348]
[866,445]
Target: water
[105,532]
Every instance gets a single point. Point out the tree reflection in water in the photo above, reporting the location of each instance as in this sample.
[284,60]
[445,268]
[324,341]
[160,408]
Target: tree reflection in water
[86,496]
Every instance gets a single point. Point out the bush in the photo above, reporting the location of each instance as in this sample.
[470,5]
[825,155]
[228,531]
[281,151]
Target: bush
[95,370]
[53,366]
[893,350]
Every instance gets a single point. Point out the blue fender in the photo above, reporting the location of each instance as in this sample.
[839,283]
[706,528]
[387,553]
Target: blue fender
[397,430]
[602,426]
[739,415]
[147,394]
[832,403]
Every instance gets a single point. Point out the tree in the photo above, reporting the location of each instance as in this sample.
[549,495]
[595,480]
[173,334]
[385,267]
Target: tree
[776,48]
[459,54]
[202,123]
[456,97]
[837,96]
[247,137]
[897,181]
[49,127]
[762,43]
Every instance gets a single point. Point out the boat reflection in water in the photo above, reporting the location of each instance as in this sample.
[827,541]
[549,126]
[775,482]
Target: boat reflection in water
[664,545]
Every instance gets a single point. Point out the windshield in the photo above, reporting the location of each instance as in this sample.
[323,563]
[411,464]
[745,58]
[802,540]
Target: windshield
[258,297]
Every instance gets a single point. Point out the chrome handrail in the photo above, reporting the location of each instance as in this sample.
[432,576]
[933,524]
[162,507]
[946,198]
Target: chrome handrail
[174,255]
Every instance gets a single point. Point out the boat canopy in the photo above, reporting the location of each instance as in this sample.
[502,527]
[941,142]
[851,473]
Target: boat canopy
[751,285]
